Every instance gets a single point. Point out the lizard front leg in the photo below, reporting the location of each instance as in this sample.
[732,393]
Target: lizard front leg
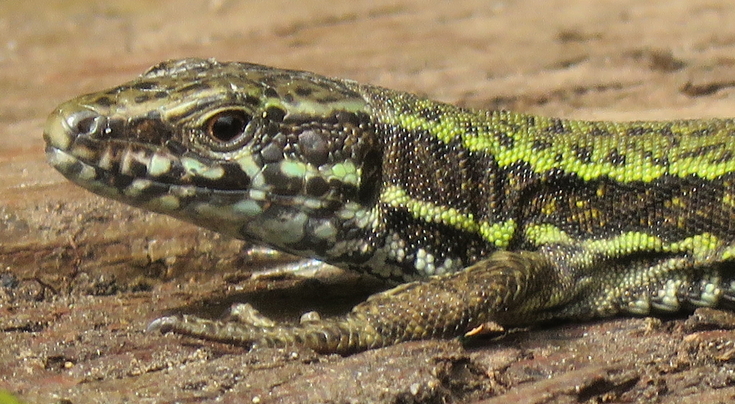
[505,287]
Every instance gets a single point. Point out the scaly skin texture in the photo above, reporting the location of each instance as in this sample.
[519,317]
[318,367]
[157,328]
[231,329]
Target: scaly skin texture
[482,216]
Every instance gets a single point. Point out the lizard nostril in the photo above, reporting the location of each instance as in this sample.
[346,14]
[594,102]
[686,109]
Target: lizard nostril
[86,122]
[86,125]
[71,121]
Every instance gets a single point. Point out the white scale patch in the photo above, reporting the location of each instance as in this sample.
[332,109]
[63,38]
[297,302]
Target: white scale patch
[83,152]
[345,172]
[282,230]
[312,203]
[105,162]
[340,248]
[183,191]
[60,159]
[248,165]
[159,165]
[711,295]
[396,248]
[367,218]
[195,167]
[128,158]
[87,174]
[639,307]
[711,292]
[223,218]
[257,195]
[248,208]
[424,262]
[64,162]
[377,263]
[667,299]
[258,182]
[137,187]
[165,203]
[446,267]
[293,169]
[348,211]
[219,213]
[325,231]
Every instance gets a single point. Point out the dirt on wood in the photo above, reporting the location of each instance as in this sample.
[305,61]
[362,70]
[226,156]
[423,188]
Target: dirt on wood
[81,277]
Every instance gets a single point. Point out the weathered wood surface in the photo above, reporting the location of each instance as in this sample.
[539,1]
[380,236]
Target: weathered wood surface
[80,276]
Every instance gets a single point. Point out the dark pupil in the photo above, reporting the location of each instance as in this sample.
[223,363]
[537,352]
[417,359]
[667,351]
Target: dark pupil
[227,127]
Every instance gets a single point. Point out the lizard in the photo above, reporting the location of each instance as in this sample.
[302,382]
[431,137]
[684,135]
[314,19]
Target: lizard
[474,217]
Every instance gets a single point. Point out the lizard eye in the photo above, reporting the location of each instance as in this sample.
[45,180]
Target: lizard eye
[226,126]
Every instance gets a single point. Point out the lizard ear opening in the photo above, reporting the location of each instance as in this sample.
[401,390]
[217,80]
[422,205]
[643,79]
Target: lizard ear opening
[372,173]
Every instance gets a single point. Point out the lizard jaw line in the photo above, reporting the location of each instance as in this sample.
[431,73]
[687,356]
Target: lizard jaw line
[141,191]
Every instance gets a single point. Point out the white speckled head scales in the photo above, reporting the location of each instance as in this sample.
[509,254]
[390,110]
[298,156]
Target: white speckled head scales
[258,153]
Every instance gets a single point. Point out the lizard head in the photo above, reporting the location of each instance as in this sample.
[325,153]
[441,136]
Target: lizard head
[284,157]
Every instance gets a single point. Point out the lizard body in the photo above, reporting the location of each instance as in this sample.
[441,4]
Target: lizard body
[480,216]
